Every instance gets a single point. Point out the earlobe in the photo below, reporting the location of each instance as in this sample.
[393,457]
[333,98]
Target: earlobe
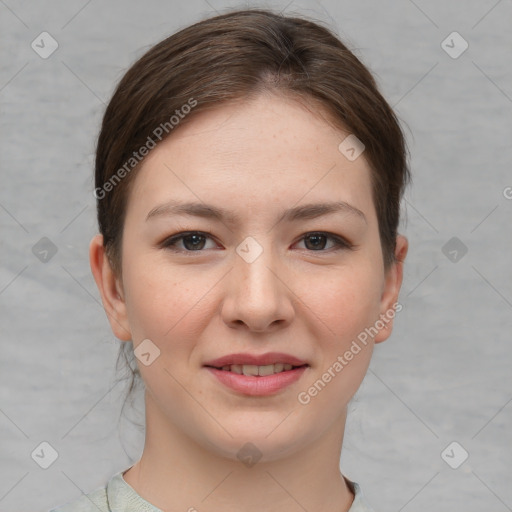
[390,305]
[110,289]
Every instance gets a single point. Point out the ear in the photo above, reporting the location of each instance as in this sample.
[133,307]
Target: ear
[110,288]
[389,305]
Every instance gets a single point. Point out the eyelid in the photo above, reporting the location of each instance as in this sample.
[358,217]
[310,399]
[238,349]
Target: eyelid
[166,243]
[341,242]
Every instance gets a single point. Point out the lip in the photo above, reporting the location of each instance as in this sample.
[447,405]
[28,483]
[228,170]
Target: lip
[258,360]
[258,386]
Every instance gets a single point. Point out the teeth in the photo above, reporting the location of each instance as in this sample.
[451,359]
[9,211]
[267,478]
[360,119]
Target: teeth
[261,371]
[266,370]
[236,368]
[250,369]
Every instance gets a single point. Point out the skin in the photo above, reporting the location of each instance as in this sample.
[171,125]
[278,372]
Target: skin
[255,158]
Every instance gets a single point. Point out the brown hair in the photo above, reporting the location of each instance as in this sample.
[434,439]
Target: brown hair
[231,57]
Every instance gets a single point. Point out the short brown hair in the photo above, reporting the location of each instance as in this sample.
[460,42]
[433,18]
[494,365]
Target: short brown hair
[235,56]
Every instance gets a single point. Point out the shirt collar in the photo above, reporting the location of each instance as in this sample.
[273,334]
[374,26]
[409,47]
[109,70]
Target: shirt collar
[123,498]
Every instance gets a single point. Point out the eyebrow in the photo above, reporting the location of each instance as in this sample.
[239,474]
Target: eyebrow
[208,211]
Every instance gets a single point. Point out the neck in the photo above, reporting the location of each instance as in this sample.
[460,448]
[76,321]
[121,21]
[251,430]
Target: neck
[176,472]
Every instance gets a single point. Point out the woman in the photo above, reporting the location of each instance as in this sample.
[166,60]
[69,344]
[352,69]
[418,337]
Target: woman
[248,184]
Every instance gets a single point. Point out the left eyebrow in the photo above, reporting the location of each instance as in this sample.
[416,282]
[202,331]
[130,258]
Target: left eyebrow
[305,212]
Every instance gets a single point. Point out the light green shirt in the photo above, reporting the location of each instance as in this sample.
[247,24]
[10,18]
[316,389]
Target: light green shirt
[119,496]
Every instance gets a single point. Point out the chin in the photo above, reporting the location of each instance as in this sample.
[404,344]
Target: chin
[263,444]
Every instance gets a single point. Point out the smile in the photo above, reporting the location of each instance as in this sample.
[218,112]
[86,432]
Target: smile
[255,380]
[255,371]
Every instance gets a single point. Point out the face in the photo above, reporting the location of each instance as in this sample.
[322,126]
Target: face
[267,272]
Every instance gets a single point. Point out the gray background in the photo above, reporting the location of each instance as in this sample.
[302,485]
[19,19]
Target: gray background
[443,376]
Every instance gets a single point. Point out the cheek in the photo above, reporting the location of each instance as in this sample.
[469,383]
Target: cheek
[166,303]
[345,300]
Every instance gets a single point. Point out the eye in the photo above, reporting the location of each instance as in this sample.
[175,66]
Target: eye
[316,241]
[195,241]
[192,241]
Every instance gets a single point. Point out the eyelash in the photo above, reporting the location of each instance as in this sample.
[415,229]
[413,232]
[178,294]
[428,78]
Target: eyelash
[169,243]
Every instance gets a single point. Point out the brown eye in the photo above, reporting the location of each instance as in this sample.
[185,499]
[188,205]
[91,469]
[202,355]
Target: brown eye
[317,242]
[195,241]
[191,241]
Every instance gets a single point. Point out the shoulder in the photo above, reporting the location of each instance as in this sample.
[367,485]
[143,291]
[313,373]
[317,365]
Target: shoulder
[95,501]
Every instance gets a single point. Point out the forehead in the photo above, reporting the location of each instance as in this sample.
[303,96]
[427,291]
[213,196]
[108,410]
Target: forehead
[265,149]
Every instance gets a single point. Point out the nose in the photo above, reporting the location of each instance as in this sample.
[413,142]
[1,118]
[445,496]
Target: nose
[258,294]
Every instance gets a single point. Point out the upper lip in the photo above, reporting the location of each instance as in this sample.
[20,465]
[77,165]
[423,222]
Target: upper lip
[258,360]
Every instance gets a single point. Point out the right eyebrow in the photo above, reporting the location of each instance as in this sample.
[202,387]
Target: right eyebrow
[304,212]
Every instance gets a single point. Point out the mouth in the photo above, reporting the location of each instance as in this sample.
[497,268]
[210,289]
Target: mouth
[257,381]
[257,374]
[252,370]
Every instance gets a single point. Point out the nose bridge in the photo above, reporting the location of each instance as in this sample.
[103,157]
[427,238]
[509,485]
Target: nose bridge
[257,295]
[254,266]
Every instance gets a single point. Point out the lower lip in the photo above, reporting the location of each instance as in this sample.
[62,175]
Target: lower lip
[258,386]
